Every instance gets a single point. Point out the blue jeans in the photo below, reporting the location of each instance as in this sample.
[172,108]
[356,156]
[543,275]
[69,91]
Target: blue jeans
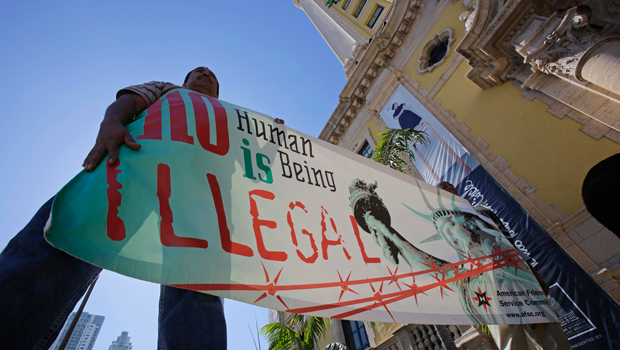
[40,285]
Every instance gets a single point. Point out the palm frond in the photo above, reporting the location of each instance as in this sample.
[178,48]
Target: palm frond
[281,337]
[257,335]
[394,143]
[298,320]
[315,329]
[482,328]
[300,333]
[335,346]
[252,334]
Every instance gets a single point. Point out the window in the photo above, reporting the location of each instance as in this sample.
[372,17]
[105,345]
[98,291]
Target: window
[346,4]
[435,51]
[365,150]
[375,16]
[438,53]
[355,335]
[359,9]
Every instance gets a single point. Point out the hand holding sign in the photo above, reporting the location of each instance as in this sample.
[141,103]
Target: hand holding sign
[113,133]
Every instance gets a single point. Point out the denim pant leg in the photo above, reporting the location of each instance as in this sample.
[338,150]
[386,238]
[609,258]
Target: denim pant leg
[39,287]
[190,320]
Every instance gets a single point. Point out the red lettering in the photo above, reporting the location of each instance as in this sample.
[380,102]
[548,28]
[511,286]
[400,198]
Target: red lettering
[201,114]
[152,123]
[227,244]
[292,205]
[115,226]
[257,223]
[327,242]
[311,259]
[167,235]
[178,120]
[356,231]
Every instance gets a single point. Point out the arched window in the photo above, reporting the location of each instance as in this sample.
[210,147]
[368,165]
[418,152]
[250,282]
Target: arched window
[435,51]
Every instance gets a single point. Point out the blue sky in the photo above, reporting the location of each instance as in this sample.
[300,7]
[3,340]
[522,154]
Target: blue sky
[62,62]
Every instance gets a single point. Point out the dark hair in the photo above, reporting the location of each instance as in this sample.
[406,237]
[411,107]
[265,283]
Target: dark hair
[601,192]
[190,72]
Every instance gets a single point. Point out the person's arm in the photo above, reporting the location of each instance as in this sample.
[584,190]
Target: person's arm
[112,132]
[539,279]
[130,102]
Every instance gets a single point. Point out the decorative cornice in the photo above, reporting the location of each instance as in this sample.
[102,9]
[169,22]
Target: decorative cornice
[491,62]
[495,46]
[369,61]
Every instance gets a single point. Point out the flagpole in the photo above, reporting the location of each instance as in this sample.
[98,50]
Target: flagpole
[69,332]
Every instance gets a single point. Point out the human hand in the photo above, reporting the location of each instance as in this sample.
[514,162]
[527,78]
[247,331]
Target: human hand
[278,121]
[111,135]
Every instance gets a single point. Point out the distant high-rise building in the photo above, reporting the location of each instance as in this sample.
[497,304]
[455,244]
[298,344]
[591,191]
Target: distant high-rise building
[85,333]
[123,342]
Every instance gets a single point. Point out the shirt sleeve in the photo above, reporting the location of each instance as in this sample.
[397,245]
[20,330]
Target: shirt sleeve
[150,91]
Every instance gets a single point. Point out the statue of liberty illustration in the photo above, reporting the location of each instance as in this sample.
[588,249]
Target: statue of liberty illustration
[469,236]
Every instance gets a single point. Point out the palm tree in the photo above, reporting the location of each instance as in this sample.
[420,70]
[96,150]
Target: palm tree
[300,333]
[397,142]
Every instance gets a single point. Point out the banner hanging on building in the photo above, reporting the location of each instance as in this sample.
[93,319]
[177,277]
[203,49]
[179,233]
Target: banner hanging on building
[574,295]
[222,200]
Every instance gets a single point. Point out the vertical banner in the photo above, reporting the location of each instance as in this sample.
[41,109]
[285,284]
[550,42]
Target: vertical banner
[222,200]
[575,296]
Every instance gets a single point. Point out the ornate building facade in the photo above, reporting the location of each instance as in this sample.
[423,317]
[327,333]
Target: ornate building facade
[531,89]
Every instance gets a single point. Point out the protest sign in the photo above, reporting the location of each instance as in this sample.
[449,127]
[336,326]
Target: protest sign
[222,200]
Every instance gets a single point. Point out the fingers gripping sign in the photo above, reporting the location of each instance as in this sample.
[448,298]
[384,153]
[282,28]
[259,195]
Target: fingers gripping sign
[111,136]
[113,133]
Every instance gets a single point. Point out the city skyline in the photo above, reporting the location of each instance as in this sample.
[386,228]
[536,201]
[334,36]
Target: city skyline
[84,334]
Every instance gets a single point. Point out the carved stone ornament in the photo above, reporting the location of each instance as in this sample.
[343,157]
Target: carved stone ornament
[468,17]
[445,37]
[554,45]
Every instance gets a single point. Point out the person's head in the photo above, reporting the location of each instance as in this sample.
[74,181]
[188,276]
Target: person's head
[600,192]
[446,186]
[394,106]
[202,80]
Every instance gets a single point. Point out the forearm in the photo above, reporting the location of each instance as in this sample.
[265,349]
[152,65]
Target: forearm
[539,278]
[124,110]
